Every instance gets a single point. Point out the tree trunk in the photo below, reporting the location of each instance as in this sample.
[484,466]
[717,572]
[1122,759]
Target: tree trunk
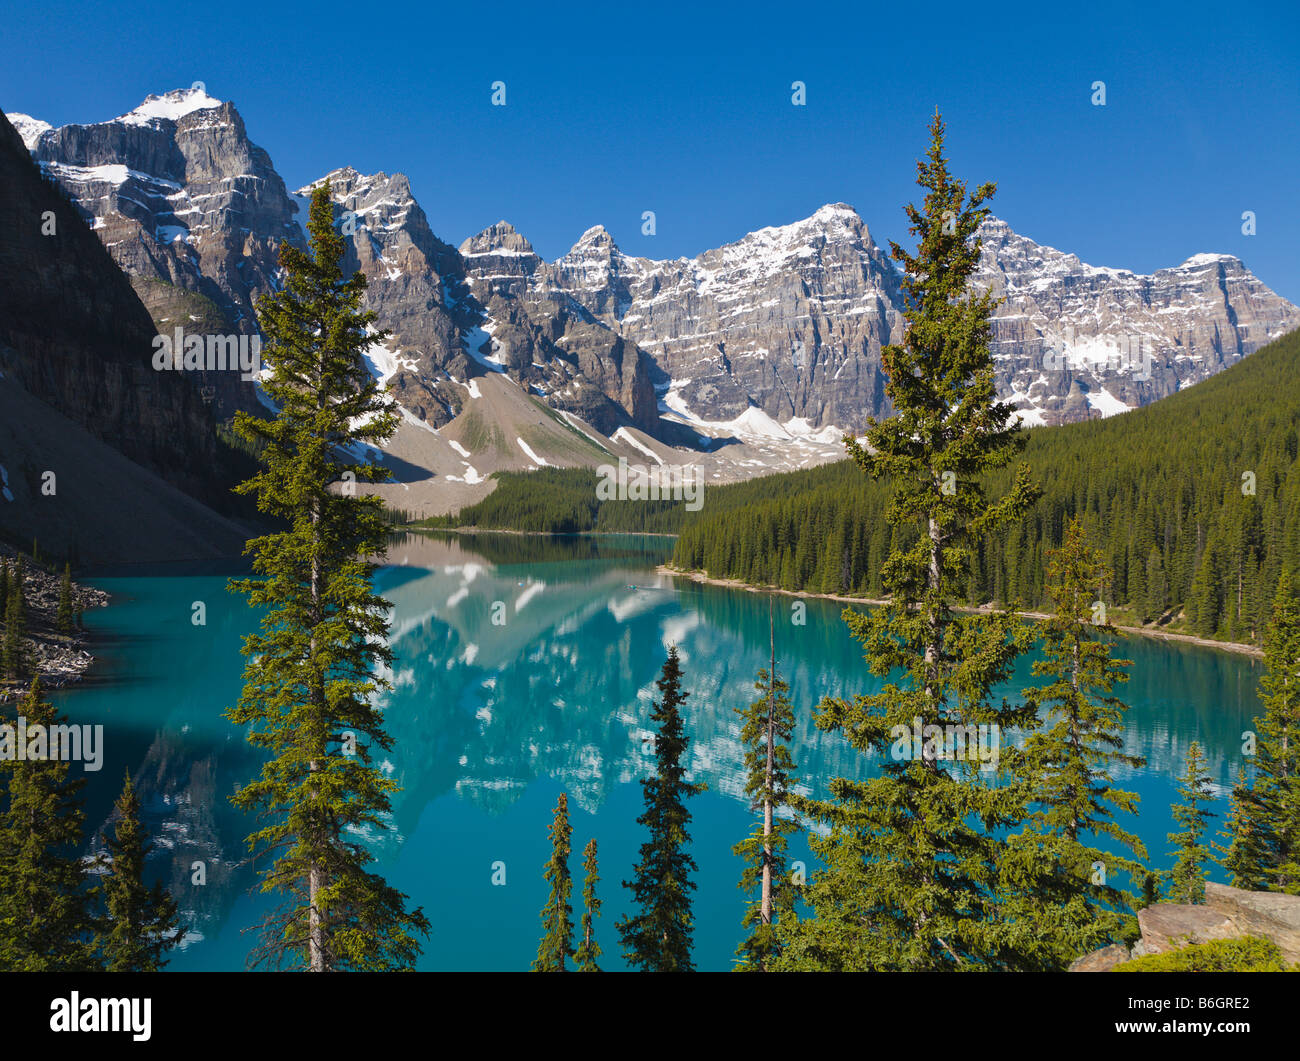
[316,874]
[765,907]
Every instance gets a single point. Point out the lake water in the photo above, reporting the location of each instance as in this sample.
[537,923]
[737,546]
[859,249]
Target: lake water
[491,721]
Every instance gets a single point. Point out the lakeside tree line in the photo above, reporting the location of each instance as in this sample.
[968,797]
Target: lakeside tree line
[1194,502]
[560,501]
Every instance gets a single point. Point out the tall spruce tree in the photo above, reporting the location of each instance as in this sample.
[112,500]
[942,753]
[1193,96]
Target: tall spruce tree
[766,731]
[141,926]
[909,855]
[13,652]
[46,923]
[309,682]
[1067,883]
[63,618]
[1187,878]
[1265,847]
[588,949]
[557,915]
[1243,852]
[658,937]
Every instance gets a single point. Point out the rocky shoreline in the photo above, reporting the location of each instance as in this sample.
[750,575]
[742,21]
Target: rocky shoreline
[60,659]
[1143,631]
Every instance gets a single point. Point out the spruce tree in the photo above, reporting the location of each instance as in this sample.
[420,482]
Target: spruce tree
[1187,878]
[1243,851]
[909,854]
[309,684]
[13,655]
[1067,884]
[658,937]
[64,616]
[1265,848]
[766,731]
[557,915]
[588,949]
[46,924]
[141,926]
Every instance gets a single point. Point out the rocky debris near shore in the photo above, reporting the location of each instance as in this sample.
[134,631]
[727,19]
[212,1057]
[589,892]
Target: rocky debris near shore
[1228,913]
[60,659]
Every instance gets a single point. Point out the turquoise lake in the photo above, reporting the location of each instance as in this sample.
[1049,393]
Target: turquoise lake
[492,721]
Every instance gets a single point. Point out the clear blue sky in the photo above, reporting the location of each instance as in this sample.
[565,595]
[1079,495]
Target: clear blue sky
[684,109]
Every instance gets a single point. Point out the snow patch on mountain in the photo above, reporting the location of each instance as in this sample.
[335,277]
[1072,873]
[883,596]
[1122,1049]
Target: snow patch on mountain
[475,341]
[384,363]
[170,106]
[1106,403]
[531,455]
[29,128]
[624,435]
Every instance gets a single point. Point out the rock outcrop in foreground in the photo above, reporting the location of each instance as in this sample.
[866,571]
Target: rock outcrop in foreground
[1228,913]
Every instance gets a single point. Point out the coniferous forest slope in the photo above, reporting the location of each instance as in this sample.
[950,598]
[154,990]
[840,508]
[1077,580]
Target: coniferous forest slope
[1195,501]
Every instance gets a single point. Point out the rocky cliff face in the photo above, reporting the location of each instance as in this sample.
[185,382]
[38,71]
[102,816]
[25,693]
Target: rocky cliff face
[786,324]
[415,285]
[178,194]
[565,353]
[792,319]
[456,315]
[1073,340]
[1227,913]
[789,319]
[74,334]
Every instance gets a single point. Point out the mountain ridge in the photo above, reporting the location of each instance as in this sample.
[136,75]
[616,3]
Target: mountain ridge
[783,325]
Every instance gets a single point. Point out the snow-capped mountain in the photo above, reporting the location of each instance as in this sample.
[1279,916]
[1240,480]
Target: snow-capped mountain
[415,283]
[778,333]
[788,319]
[182,199]
[791,320]
[1073,340]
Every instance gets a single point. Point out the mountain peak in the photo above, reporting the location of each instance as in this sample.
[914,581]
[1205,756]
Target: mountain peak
[1200,261]
[501,238]
[341,181]
[597,235]
[171,105]
[835,212]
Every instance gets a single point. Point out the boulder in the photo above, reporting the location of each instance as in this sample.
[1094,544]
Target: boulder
[1168,926]
[1269,914]
[1100,961]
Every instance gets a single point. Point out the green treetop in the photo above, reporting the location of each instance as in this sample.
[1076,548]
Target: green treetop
[658,936]
[45,920]
[1264,851]
[1187,878]
[588,949]
[766,731]
[1071,762]
[63,619]
[13,654]
[142,922]
[557,915]
[1243,852]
